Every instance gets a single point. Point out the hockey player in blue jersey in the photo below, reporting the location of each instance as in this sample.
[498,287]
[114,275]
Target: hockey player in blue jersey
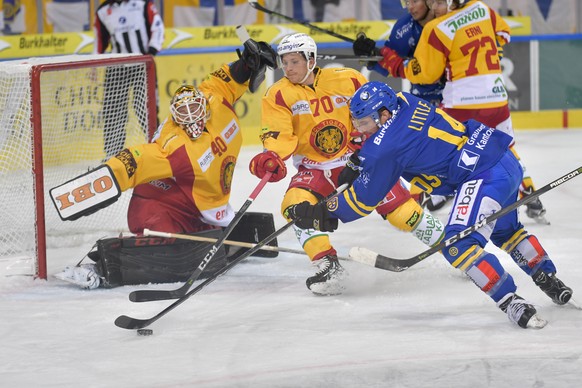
[403,39]
[406,136]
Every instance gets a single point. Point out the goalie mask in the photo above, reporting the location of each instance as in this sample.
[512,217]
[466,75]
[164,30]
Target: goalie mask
[188,108]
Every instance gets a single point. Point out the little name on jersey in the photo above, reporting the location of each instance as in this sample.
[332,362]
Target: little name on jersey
[419,116]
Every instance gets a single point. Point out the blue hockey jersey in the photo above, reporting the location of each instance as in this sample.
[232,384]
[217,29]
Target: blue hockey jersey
[403,39]
[426,147]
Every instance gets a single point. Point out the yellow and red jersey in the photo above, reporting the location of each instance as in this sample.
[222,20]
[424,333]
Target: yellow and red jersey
[463,44]
[311,123]
[202,168]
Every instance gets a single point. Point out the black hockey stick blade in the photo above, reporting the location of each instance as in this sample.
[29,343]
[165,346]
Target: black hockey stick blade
[153,295]
[125,322]
[365,256]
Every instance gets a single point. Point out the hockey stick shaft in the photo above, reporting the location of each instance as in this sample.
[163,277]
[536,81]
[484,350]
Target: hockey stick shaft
[341,57]
[259,7]
[151,295]
[126,322]
[399,265]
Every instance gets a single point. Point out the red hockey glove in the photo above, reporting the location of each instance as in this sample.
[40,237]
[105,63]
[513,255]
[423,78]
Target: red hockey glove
[392,62]
[268,161]
[308,216]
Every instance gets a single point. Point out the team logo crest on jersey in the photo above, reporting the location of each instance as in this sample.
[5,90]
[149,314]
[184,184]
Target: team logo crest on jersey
[226,174]
[126,157]
[332,204]
[329,137]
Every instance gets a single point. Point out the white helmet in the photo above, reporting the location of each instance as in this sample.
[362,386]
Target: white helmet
[298,43]
[188,108]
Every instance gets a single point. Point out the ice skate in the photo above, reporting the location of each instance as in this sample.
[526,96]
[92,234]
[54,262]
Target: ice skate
[553,287]
[329,278]
[84,276]
[436,202]
[536,210]
[521,312]
[432,202]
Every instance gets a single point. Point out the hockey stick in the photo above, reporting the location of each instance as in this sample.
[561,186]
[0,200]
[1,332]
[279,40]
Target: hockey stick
[341,57]
[374,259]
[147,232]
[125,322]
[151,295]
[259,7]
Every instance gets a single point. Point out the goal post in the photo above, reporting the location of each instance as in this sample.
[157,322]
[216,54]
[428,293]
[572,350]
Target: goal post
[60,117]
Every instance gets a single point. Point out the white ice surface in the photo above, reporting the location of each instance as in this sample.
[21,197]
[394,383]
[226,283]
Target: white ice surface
[259,326]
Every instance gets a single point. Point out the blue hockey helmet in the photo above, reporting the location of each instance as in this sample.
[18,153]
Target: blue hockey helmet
[370,98]
[367,104]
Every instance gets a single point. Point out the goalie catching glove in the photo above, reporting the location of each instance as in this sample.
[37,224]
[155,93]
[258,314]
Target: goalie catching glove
[257,56]
[268,161]
[308,216]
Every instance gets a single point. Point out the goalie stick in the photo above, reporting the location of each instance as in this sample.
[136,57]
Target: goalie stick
[151,295]
[366,256]
[126,322]
[147,232]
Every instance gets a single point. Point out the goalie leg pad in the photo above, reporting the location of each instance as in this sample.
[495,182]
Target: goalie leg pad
[142,260]
[253,228]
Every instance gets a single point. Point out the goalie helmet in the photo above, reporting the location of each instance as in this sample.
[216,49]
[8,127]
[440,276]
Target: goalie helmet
[298,43]
[367,104]
[188,108]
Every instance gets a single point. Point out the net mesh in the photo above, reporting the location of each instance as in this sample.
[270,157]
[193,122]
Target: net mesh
[88,114]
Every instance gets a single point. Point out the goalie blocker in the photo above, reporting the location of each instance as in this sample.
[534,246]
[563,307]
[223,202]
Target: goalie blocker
[85,194]
[142,260]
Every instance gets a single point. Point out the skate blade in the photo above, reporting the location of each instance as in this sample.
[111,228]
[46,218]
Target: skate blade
[574,304]
[536,322]
[541,220]
[329,288]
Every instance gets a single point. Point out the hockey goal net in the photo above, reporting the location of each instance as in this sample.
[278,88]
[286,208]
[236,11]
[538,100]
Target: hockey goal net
[60,117]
